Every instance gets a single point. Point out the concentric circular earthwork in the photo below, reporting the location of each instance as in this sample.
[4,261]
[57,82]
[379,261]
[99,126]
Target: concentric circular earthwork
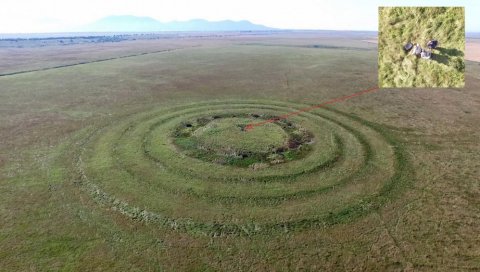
[196,169]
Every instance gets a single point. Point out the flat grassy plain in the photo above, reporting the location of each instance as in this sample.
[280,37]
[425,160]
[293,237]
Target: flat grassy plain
[473,49]
[87,184]
[399,25]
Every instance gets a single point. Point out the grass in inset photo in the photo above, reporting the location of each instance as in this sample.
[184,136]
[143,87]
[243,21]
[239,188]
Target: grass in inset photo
[421,47]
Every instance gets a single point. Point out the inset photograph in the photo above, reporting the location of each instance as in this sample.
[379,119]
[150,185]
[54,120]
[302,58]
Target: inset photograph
[421,47]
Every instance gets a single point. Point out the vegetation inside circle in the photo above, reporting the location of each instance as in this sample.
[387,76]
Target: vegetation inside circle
[223,139]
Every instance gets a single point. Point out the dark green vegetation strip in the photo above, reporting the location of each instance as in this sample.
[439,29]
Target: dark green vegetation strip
[392,181]
[272,200]
[336,157]
[314,46]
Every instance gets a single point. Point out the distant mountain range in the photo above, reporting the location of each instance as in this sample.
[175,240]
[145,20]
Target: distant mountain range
[128,23]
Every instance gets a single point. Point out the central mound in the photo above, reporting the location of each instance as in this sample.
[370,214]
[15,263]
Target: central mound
[222,139]
[227,135]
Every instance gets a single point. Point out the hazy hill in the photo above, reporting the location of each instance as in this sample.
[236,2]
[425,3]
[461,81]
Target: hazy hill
[128,23]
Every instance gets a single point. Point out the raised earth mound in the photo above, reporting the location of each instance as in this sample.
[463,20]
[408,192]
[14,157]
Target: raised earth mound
[223,139]
[196,169]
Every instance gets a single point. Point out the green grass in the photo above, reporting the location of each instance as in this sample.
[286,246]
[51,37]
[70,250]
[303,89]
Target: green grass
[199,197]
[399,25]
[222,139]
[92,177]
[323,154]
[227,133]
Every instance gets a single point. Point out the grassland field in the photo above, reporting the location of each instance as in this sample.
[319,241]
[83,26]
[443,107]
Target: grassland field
[119,164]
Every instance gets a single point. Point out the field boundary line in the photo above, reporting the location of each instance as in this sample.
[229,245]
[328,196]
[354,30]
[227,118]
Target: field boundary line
[94,61]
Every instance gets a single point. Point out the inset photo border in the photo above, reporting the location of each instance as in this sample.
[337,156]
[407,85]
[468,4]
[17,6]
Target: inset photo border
[421,47]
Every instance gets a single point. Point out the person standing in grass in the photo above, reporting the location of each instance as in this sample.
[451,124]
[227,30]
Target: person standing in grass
[408,46]
[426,54]
[417,50]
[432,44]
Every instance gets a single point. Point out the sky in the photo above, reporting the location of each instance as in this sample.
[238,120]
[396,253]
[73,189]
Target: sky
[37,16]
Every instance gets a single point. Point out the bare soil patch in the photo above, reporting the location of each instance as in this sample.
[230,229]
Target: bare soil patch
[472,49]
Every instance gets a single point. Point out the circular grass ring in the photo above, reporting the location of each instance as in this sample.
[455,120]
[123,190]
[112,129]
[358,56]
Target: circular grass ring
[224,139]
[136,167]
[325,153]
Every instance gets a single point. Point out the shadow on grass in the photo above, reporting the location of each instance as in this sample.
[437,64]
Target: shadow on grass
[445,55]
[441,58]
[450,52]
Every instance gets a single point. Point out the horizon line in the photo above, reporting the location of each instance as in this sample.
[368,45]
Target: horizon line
[194,31]
[176,31]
